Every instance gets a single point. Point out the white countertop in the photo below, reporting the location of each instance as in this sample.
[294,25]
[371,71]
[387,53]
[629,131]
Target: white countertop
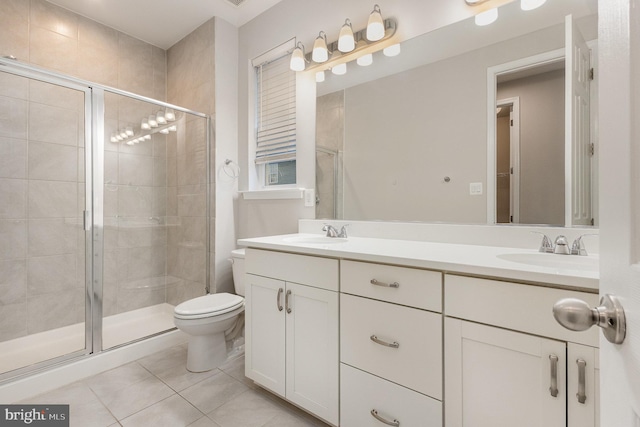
[450,258]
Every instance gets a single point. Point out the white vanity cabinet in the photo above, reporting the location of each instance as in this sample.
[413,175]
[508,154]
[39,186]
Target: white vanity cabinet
[292,329]
[390,345]
[507,362]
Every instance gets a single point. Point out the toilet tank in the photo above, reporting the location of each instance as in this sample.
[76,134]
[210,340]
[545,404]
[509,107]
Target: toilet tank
[237,261]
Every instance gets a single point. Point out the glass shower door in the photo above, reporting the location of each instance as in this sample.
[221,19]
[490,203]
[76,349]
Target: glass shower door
[44,299]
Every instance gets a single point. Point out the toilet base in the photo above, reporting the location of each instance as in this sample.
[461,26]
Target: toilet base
[206,352]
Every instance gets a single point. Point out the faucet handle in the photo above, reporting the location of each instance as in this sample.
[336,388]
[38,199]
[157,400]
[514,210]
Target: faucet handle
[545,246]
[330,230]
[577,248]
[561,246]
[343,231]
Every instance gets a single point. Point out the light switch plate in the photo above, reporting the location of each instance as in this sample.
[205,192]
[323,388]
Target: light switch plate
[309,197]
[475,188]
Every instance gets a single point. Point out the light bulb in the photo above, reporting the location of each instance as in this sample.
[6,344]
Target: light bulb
[393,50]
[130,142]
[297,62]
[160,118]
[173,128]
[164,131]
[365,60]
[114,138]
[320,52]
[486,17]
[339,69]
[375,27]
[144,125]
[346,42]
[152,121]
[170,115]
[129,131]
[123,134]
[147,137]
[119,138]
[319,76]
[531,4]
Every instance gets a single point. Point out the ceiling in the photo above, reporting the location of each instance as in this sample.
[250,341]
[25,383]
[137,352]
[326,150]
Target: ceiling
[164,22]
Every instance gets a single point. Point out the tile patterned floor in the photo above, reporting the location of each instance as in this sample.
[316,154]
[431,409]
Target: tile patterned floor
[158,391]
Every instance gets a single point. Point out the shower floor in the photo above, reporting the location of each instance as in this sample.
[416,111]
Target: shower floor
[117,329]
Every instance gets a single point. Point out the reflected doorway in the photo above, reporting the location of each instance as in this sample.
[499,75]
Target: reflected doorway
[508,161]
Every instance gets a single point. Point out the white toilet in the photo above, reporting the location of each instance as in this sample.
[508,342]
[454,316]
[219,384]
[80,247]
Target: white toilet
[205,319]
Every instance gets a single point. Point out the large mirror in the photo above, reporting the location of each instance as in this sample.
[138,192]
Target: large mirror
[468,124]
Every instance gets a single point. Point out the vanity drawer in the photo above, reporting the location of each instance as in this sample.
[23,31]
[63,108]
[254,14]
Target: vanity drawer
[361,393]
[416,288]
[308,270]
[515,306]
[415,363]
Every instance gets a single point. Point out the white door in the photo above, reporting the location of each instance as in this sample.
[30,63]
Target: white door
[312,350]
[619,65]
[496,377]
[265,332]
[577,127]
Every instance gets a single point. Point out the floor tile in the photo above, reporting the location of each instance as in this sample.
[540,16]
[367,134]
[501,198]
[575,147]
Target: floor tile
[171,412]
[249,409]
[235,368]
[117,379]
[204,422]
[178,378]
[136,397]
[213,392]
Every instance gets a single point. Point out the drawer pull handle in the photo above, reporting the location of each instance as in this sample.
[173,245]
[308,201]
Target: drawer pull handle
[385,285]
[377,340]
[394,423]
[582,394]
[286,301]
[279,299]
[553,388]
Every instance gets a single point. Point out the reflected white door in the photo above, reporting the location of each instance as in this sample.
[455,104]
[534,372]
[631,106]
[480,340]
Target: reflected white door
[577,127]
[619,62]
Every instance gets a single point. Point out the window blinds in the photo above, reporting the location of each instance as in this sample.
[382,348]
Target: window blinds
[276,111]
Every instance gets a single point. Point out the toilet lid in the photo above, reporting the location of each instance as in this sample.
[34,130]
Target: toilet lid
[209,304]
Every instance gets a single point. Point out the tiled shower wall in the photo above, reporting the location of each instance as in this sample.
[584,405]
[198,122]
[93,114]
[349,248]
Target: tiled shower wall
[329,135]
[153,194]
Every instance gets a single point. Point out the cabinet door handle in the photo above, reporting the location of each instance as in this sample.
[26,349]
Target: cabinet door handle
[377,340]
[394,423]
[553,388]
[286,301]
[582,394]
[385,285]
[279,299]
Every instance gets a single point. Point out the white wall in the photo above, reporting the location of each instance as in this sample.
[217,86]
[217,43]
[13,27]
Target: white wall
[226,137]
[304,19]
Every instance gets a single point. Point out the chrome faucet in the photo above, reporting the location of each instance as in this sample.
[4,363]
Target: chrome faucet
[561,245]
[333,232]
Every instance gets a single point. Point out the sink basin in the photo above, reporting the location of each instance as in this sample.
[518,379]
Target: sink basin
[315,240]
[568,262]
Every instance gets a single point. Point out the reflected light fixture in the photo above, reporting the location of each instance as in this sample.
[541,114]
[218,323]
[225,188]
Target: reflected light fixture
[160,118]
[365,60]
[298,61]
[170,115]
[393,50]
[319,76]
[147,137]
[531,4]
[320,51]
[164,131]
[129,131]
[152,121]
[375,27]
[487,17]
[346,41]
[173,128]
[144,125]
[340,69]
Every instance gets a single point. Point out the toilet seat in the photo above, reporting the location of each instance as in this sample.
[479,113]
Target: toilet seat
[208,306]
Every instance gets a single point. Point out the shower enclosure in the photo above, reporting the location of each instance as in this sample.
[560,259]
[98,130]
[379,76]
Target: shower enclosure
[104,199]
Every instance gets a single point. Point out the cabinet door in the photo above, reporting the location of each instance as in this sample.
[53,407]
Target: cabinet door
[496,377]
[312,350]
[265,332]
[583,393]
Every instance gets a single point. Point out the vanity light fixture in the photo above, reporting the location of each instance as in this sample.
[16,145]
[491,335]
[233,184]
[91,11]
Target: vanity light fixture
[319,76]
[160,118]
[164,131]
[365,60]
[320,51]
[144,125]
[531,4]
[340,69]
[298,60]
[375,26]
[487,17]
[393,50]
[114,138]
[173,128]
[152,121]
[129,131]
[147,137]
[346,41]
[170,115]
